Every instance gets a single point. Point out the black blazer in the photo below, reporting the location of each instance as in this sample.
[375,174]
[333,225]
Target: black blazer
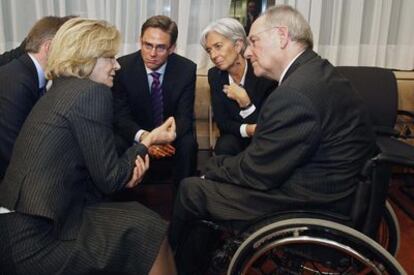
[226,111]
[133,109]
[65,156]
[8,56]
[19,91]
[313,136]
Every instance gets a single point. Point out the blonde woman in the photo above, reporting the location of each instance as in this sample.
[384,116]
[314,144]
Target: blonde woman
[54,219]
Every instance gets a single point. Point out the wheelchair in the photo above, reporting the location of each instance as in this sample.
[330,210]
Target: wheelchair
[316,242]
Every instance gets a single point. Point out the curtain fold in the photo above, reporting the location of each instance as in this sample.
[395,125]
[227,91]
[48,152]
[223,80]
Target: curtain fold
[191,16]
[357,32]
[361,32]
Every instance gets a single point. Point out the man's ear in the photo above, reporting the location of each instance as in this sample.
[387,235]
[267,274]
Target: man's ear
[172,48]
[239,46]
[283,33]
[46,45]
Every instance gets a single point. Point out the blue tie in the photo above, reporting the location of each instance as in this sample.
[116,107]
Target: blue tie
[156,99]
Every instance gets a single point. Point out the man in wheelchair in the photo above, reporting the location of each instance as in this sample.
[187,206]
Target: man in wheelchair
[312,139]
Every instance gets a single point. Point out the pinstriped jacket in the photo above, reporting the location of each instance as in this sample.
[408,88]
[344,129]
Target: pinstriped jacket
[65,155]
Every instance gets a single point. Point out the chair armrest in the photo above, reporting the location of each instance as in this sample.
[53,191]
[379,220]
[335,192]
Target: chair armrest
[394,151]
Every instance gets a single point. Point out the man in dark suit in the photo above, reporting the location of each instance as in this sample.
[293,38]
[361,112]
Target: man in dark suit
[313,135]
[138,108]
[23,82]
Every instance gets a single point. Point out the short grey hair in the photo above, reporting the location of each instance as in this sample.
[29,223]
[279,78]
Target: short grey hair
[298,27]
[230,28]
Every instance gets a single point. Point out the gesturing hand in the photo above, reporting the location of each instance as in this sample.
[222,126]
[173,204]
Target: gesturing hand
[162,134]
[141,166]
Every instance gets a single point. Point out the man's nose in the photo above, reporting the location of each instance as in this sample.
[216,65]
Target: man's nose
[247,53]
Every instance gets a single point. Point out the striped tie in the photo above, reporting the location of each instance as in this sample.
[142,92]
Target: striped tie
[156,99]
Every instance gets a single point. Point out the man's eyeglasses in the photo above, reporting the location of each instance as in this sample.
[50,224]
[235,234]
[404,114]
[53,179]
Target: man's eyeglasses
[253,38]
[158,48]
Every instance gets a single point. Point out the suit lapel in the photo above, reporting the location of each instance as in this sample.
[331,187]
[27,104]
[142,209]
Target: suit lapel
[31,67]
[168,84]
[224,78]
[303,58]
[139,83]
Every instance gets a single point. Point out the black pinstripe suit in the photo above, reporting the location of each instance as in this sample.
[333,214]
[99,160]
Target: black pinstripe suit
[63,164]
[312,137]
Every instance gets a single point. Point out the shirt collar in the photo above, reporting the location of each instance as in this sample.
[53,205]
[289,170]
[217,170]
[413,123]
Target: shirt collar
[161,70]
[244,75]
[40,72]
[288,66]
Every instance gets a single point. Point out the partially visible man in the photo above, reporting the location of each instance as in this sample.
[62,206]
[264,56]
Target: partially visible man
[155,83]
[23,82]
[251,14]
[313,135]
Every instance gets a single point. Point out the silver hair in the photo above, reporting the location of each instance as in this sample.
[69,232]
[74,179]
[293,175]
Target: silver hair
[229,28]
[298,27]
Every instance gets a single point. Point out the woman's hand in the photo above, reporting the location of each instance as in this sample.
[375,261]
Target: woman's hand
[141,166]
[238,94]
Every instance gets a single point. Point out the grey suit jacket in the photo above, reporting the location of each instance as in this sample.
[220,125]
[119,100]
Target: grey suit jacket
[313,135]
[65,155]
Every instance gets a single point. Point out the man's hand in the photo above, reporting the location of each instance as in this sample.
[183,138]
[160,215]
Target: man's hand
[250,129]
[161,135]
[141,166]
[238,94]
[161,151]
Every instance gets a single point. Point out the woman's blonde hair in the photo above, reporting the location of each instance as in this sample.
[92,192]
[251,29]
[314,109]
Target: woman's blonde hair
[77,46]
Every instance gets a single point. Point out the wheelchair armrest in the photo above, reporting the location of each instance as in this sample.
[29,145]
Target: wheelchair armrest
[394,151]
[386,131]
[405,113]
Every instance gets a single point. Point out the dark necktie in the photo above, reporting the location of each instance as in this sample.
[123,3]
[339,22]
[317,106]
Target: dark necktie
[42,90]
[156,99]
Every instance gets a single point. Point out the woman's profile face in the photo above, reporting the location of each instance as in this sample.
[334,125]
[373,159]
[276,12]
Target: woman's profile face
[104,71]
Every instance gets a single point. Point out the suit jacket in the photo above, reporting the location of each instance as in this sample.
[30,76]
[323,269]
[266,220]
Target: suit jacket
[226,111]
[312,138]
[133,109]
[65,156]
[19,91]
[8,56]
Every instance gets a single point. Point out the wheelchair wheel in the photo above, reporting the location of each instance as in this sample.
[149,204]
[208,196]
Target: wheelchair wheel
[311,246]
[388,235]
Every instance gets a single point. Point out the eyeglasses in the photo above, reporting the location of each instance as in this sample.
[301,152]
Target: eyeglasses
[253,38]
[158,48]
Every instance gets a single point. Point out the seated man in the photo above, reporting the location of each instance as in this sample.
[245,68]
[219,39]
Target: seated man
[23,83]
[313,135]
[153,84]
